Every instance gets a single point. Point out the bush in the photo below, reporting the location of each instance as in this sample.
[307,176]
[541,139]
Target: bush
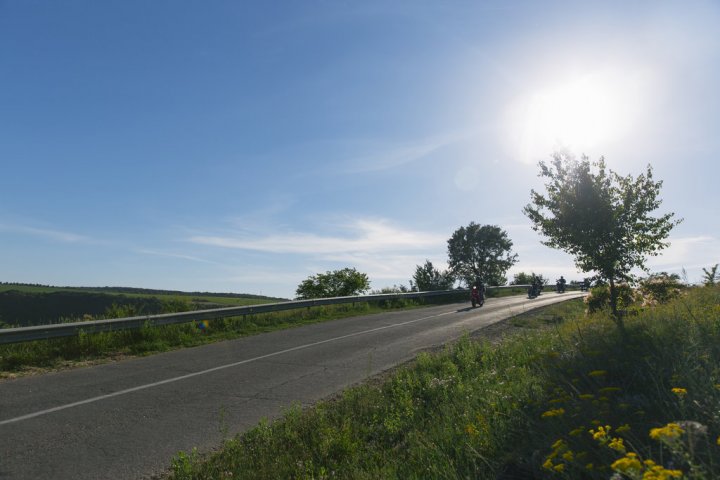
[599,297]
[660,288]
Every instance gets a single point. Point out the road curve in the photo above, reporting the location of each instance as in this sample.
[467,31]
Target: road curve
[126,420]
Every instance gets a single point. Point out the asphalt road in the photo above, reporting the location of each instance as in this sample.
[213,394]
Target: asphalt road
[126,420]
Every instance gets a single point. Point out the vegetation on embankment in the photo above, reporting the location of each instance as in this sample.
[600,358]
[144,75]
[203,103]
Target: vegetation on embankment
[581,399]
[24,305]
[20,358]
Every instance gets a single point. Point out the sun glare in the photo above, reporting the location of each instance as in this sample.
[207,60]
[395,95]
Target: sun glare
[584,113]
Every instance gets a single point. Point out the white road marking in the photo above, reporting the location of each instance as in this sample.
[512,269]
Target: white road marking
[209,370]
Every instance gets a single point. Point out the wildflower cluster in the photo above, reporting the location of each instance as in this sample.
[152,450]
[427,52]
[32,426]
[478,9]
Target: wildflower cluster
[622,451]
[559,458]
[630,464]
[668,434]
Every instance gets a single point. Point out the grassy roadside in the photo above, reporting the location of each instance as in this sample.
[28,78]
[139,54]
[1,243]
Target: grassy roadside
[40,356]
[87,349]
[577,399]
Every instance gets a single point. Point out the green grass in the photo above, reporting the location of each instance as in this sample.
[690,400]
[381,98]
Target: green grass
[65,352]
[530,407]
[18,359]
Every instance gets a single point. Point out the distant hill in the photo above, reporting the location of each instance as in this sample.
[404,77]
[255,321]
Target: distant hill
[133,290]
[23,304]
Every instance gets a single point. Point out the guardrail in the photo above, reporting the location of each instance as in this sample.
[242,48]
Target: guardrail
[42,332]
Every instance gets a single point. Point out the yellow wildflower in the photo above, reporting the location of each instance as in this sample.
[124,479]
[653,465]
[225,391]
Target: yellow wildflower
[629,463]
[559,467]
[680,392]
[601,432]
[671,431]
[471,430]
[577,431]
[548,464]
[623,428]
[587,396]
[589,466]
[568,456]
[659,473]
[617,445]
[557,412]
[718,441]
[559,444]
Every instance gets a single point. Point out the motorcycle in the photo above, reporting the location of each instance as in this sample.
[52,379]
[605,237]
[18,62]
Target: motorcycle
[477,297]
[534,290]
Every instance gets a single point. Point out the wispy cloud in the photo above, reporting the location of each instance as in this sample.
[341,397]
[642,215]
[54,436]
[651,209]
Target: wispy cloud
[57,235]
[688,252]
[390,156]
[181,256]
[386,252]
[362,236]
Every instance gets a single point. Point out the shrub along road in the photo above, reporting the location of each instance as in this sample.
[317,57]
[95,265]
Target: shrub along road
[126,420]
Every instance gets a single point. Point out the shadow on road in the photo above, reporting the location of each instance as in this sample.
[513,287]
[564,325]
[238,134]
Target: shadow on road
[467,309]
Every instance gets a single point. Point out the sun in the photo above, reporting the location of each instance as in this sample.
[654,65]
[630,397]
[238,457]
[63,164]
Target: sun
[580,114]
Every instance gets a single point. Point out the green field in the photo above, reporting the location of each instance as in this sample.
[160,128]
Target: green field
[23,305]
[210,297]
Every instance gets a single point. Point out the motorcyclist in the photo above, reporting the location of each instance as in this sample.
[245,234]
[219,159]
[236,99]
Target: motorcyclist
[561,284]
[535,286]
[477,295]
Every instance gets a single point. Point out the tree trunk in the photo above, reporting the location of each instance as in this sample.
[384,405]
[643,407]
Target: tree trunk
[613,305]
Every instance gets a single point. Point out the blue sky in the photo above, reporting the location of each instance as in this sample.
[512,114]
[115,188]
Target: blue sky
[244,146]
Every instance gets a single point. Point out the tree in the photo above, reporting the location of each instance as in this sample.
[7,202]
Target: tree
[600,217]
[661,287]
[480,251]
[523,278]
[427,278]
[338,283]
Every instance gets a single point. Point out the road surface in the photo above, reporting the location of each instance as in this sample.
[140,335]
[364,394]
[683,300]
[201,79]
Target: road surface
[126,420]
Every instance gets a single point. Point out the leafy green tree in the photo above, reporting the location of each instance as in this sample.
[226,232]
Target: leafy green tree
[523,278]
[600,217]
[427,278]
[338,283]
[480,251]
